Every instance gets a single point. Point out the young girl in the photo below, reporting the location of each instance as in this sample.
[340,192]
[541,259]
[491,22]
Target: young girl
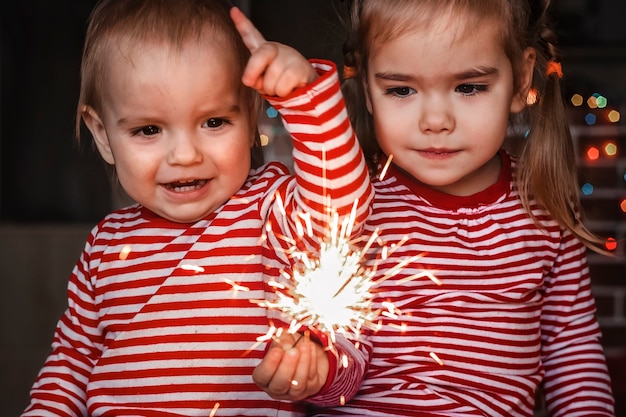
[509,308]
[160,319]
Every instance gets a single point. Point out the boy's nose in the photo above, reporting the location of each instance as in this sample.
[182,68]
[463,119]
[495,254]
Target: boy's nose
[184,150]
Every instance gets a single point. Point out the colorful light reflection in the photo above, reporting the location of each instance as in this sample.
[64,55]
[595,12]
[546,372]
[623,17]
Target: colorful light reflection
[611,244]
[610,149]
[592,153]
[577,100]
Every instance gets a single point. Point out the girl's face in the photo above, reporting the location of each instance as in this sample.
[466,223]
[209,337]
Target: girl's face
[176,126]
[441,103]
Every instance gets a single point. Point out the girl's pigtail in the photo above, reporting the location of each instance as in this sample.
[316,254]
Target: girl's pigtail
[547,164]
[354,79]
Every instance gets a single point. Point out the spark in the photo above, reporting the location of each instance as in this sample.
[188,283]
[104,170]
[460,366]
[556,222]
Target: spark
[125,252]
[436,358]
[273,333]
[236,287]
[342,400]
[419,275]
[329,290]
[195,268]
[344,360]
[332,289]
[243,200]
[214,410]
[385,168]
[267,336]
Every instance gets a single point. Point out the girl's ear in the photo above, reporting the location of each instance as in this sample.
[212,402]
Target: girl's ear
[525,80]
[98,131]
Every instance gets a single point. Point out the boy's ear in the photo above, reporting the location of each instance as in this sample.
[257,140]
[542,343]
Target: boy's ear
[98,131]
[525,80]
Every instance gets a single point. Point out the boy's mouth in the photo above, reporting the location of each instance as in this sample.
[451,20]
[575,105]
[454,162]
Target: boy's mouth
[185,186]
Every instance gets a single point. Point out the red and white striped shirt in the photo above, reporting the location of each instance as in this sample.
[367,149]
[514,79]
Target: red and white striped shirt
[160,319]
[514,310]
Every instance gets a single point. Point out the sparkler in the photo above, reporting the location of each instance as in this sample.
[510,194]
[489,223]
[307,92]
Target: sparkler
[331,290]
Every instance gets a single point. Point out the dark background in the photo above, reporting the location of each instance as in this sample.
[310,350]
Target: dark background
[53,189]
[45,176]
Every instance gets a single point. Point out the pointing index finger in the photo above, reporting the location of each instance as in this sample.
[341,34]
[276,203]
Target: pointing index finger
[249,33]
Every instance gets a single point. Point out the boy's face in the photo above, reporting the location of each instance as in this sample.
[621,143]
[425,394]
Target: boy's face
[176,126]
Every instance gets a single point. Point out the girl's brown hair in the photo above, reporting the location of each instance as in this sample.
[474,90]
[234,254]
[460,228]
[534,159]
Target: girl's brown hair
[132,23]
[546,165]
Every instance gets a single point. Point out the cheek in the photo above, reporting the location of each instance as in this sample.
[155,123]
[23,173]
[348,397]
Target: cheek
[131,174]
[237,157]
[390,123]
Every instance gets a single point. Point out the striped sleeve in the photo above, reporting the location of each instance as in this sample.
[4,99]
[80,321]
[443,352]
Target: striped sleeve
[330,174]
[576,377]
[328,160]
[60,388]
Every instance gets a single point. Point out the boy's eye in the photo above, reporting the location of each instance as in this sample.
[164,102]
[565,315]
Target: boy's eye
[471,89]
[400,91]
[149,130]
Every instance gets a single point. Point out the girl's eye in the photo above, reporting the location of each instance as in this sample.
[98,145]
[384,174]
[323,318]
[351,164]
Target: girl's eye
[471,89]
[215,123]
[400,91]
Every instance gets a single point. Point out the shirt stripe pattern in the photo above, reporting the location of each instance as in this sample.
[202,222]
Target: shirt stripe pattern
[514,310]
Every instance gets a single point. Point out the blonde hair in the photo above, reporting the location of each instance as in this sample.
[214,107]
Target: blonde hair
[546,166]
[132,23]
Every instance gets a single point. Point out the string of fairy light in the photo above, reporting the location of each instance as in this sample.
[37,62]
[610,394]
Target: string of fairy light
[601,150]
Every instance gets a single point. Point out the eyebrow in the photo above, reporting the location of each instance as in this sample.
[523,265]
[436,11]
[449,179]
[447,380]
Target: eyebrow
[477,72]
[480,71]
[218,112]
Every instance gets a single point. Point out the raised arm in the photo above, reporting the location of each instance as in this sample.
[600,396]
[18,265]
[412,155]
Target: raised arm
[330,173]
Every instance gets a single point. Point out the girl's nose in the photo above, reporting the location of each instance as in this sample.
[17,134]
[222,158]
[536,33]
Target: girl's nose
[436,116]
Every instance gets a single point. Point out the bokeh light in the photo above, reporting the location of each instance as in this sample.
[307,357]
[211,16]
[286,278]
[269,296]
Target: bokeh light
[610,149]
[611,244]
[265,140]
[592,102]
[532,96]
[592,153]
[601,101]
[590,119]
[587,189]
[577,100]
[271,112]
[623,205]
[613,116]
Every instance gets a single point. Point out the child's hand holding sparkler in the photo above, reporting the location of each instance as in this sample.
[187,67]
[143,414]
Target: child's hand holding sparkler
[295,367]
